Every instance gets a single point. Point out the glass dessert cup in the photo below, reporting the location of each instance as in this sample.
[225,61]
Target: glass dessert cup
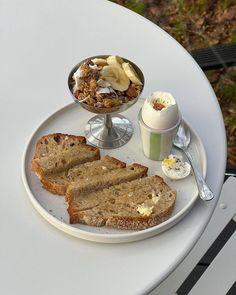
[108,129]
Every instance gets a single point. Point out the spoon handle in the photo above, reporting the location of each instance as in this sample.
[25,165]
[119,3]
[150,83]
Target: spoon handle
[204,191]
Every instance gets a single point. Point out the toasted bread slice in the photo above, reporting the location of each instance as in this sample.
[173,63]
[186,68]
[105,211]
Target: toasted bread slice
[134,205]
[54,142]
[59,152]
[100,181]
[57,183]
[65,159]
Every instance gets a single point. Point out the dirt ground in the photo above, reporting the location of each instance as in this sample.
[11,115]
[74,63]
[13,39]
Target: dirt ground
[198,24]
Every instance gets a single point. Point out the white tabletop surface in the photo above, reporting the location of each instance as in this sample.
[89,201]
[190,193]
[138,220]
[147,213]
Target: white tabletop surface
[40,42]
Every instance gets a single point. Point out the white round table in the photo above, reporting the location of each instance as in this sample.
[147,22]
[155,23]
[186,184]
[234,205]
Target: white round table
[40,42]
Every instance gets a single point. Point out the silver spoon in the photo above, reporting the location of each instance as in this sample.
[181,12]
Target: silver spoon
[182,141]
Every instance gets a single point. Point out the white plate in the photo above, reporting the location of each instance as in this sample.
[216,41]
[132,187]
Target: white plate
[72,119]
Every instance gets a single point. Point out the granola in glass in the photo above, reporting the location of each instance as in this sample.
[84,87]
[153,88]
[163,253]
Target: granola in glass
[106,82]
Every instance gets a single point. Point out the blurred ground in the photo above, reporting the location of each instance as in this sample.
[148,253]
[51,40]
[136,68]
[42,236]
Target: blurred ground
[198,24]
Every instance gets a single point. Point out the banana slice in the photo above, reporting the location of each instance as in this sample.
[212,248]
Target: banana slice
[114,60]
[99,61]
[116,77]
[131,73]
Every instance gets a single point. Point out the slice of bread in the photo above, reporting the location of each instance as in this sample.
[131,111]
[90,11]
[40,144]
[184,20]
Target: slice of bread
[100,181]
[134,205]
[59,152]
[57,183]
[54,142]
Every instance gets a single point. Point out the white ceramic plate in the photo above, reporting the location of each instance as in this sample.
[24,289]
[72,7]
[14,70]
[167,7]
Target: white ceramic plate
[71,119]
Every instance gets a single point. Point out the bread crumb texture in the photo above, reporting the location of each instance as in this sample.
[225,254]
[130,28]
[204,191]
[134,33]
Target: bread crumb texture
[117,207]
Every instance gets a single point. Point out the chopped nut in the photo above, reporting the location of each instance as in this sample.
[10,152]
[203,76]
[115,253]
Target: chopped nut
[132,91]
[93,84]
[91,101]
[111,102]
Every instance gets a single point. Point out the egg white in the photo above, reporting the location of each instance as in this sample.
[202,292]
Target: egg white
[176,169]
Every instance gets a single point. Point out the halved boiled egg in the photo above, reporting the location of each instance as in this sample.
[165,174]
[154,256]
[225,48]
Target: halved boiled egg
[174,167]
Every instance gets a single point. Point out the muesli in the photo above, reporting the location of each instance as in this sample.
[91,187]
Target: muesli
[106,82]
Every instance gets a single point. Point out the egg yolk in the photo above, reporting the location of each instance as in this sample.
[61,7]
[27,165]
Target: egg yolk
[168,162]
[158,106]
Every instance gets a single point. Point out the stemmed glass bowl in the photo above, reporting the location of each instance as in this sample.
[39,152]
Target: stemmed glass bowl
[108,129]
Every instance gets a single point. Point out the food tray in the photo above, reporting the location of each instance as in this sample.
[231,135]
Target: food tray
[72,119]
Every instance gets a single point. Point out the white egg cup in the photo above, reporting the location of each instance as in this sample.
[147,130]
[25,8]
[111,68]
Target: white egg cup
[157,143]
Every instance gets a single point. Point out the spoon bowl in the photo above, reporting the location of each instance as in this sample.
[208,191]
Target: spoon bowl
[183,137]
[182,141]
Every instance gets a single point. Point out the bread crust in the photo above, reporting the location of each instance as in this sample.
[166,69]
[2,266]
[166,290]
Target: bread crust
[53,187]
[35,167]
[139,223]
[115,161]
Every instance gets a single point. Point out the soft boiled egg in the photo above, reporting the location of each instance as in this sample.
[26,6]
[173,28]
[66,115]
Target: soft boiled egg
[174,167]
[160,110]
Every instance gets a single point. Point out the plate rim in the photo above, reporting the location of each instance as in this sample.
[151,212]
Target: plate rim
[102,237]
